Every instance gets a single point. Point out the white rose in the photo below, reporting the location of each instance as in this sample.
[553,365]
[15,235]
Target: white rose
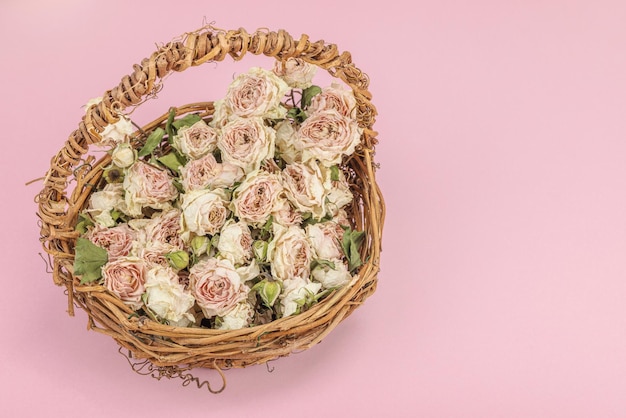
[295,294]
[167,298]
[305,187]
[286,142]
[325,239]
[204,212]
[257,93]
[296,72]
[246,142]
[235,242]
[117,132]
[289,253]
[92,102]
[238,317]
[329,277]
[196,141]
[114,133]
[249,272]
[341,217]
[338,195]
[221,114]
[102,202]
[124,155]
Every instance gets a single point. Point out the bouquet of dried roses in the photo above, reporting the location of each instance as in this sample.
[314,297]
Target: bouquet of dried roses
[232,220]
[225,233]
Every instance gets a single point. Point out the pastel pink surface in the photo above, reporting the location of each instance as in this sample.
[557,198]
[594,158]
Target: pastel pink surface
[502,143]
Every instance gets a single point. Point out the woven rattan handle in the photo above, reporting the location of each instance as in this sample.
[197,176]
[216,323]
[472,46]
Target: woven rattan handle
[210,44]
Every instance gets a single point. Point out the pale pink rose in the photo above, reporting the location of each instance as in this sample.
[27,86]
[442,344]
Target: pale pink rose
[257,93]
[334,98]
[327,136]
[325,239]
[206,172]
[285,214]
[256,197]
[216,286]
[147,186]
[204,211]
[165,229]
[246,142]
[125,277]
[118,240]
[289,253]
[296,72]
[154,255]
[305,188]
[196,140]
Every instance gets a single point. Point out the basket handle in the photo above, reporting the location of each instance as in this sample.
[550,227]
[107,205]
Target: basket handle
[210,44]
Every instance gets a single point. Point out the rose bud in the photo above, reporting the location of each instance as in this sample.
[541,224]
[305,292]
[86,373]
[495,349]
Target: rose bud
[178,259]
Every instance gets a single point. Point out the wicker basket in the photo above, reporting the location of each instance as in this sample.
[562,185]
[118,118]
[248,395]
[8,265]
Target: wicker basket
[166,351]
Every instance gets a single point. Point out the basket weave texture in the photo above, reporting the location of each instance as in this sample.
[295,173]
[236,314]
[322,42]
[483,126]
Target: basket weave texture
[73,172]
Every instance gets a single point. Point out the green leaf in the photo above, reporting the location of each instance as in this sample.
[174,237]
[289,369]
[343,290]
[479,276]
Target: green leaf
[323,263]
[268,224]
[83,223]
[215,239]
[350,244]
[178,185]
[89,260]
[297,114]
[354,260]
[323,294]
[345,242]
[168,125]
[308,220]
[188,120]
[307,95]
[334,173]
[171,161]
[154,139]
[116,215]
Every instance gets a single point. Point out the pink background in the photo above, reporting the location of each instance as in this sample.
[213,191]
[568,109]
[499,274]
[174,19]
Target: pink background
[502,150]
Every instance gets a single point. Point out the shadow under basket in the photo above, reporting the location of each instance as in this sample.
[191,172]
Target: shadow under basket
[167,351]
